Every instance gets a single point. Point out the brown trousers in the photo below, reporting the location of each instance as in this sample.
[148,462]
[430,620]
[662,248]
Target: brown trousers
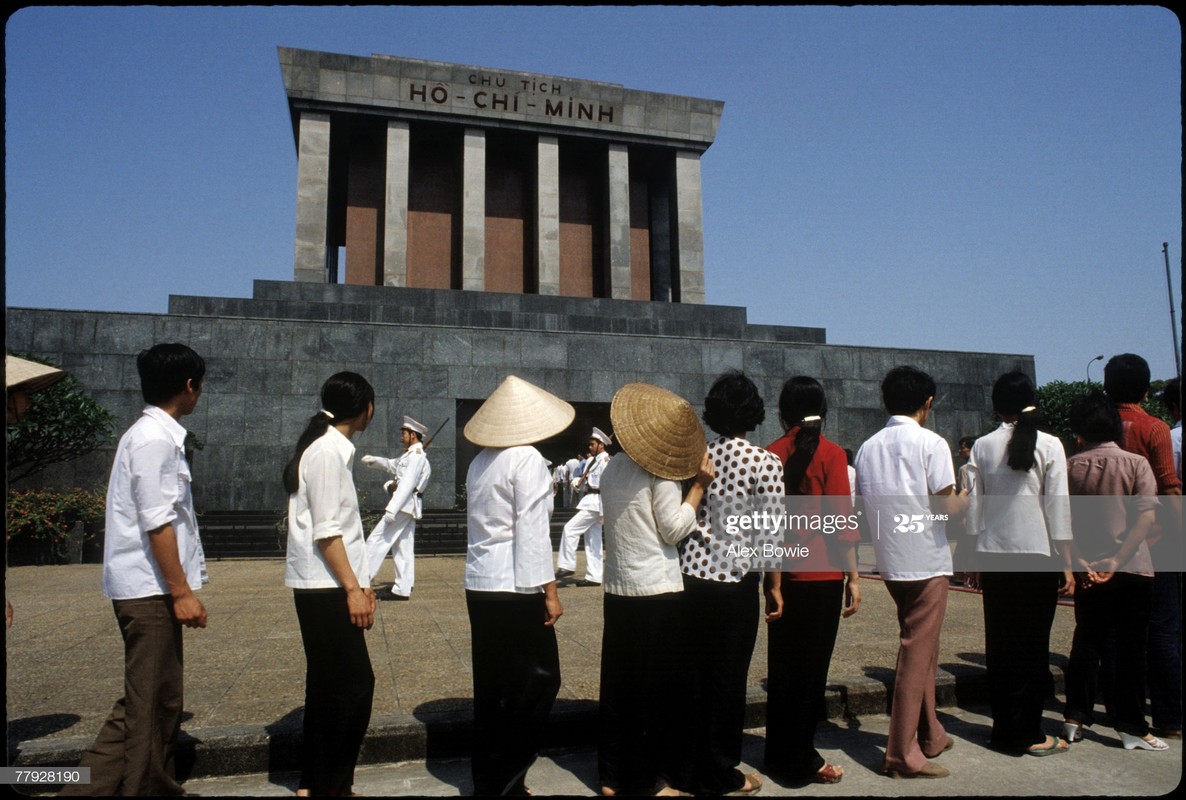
[915,731]
[133,753]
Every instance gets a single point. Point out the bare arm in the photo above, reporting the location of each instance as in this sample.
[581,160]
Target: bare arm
[187,608]
[552,604]
[359,601]
[1103,570]
[852,583]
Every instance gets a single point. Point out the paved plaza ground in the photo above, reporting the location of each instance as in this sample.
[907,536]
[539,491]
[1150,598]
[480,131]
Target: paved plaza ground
[245,684]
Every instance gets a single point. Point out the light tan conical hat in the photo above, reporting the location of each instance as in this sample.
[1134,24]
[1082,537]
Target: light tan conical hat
[516,413]
[29,376]
[658,429]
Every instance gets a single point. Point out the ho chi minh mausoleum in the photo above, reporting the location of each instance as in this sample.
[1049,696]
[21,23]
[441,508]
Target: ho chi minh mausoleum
[455,224]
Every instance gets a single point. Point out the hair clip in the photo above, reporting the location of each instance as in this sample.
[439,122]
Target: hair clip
[323,411]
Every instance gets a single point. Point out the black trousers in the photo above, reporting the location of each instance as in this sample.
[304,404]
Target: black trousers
[799,651]
[1165,652]
[1018,613]
[640,679]
[1117,612]
[516,679]
[339,689]
[720,622]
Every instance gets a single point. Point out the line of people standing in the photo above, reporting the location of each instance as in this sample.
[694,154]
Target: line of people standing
[677,581]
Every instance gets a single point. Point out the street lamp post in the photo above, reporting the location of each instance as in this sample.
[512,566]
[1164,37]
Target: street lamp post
[1169,285]
[1089,363]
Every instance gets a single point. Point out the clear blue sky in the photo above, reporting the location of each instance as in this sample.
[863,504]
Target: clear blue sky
[980,179]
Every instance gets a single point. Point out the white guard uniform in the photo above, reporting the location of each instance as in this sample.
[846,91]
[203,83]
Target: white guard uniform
[397,529]
[587,523]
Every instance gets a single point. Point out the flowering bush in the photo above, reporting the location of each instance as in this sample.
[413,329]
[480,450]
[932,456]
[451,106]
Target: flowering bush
[50,515]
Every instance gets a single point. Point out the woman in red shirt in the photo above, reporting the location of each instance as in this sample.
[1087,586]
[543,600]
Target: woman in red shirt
[822,587]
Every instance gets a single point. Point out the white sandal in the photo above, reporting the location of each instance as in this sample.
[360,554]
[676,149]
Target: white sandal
[1148,742]
[1072,732]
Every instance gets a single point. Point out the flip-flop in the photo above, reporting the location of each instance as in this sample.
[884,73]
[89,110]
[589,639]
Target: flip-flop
[1059,746]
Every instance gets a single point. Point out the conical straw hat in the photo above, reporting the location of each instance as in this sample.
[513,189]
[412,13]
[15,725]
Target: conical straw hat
[29,376]
[518,412]
[658,429]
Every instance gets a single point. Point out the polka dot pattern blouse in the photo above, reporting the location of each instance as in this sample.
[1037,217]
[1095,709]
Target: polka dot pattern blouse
[748,479]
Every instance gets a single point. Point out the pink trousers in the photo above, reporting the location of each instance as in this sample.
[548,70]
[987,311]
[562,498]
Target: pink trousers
[915,731]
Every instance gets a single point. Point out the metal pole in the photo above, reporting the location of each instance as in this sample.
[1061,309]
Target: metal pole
[1089,363]
[1165,251]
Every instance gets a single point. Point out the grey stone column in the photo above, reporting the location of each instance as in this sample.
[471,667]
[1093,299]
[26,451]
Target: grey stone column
[473,211]
[395,206]
[548,215]
[619,221]
[312,216]
[661,219]
[689,228]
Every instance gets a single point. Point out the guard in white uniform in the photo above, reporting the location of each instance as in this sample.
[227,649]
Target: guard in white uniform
[588,519]
[397,530]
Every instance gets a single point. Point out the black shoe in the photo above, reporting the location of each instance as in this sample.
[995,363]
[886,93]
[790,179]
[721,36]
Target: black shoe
[588,583]
[564,573]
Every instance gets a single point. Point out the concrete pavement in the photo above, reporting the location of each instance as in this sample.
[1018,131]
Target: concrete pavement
[245,682]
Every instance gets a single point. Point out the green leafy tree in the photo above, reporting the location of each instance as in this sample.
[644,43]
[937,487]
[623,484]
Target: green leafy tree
[1055,399]
[61,424]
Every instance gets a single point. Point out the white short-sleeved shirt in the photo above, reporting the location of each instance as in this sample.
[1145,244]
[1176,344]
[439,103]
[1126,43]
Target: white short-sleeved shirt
[1176,441]
[645,518]
[149,487]
[509,513]
[898,469]
[1018,512]
[324,505]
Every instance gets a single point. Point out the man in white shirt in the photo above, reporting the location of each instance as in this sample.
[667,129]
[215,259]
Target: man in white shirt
[396,531]
[510,591]
[561,488]
[152,565]
[588,519]
[1171,398]
[898,469]
[573,466]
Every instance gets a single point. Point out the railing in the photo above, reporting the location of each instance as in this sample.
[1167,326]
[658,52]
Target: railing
[255,534]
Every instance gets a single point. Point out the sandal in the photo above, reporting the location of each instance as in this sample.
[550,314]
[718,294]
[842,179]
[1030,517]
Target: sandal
[752,785]
[1072,731]
[1048,748]
[1146,742]
[828,773]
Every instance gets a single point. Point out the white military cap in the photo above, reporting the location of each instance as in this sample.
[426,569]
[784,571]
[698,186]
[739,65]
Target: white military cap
[601,436]
[414,426]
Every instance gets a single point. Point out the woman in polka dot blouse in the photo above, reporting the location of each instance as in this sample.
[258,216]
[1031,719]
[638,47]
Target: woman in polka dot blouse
[722,591]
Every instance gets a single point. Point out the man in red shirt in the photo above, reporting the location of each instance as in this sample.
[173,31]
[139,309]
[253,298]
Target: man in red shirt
[1126,381]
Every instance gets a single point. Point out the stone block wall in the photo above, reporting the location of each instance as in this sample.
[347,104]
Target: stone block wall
[425,349]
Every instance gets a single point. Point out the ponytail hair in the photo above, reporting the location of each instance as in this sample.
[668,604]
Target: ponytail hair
[801,404]
[1014,394]
[344,396]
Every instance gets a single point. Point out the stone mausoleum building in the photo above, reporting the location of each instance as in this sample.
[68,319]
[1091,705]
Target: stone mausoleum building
[456,224]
